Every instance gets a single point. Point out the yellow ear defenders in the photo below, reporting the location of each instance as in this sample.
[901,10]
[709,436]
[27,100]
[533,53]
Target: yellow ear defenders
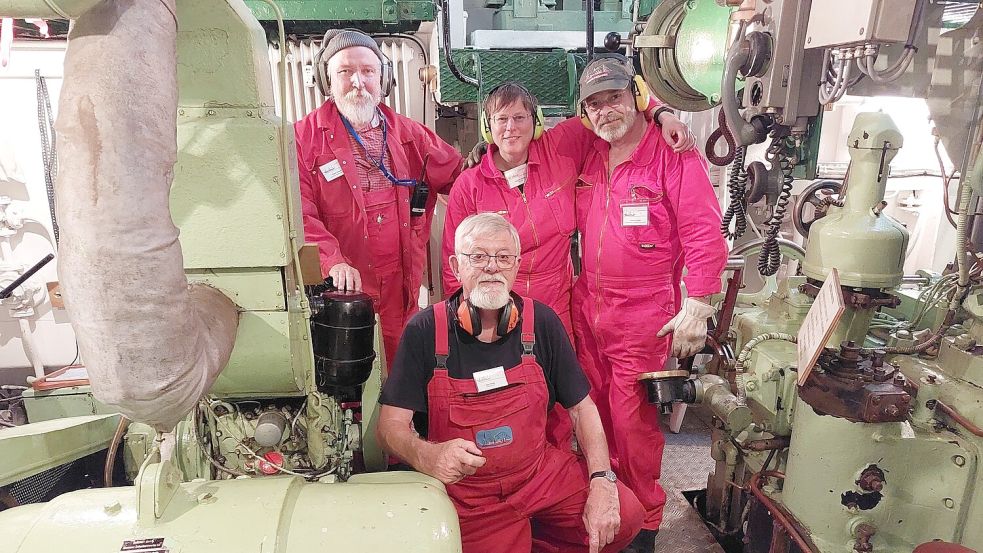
[643,96]
[484,119]
[323,80]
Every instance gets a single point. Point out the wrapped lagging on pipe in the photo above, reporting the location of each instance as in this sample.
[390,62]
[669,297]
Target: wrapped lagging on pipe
[153,345]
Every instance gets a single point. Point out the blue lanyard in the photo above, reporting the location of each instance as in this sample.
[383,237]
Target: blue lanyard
[381,162]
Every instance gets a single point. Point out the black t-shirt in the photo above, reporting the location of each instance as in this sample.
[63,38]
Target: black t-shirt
[415,359]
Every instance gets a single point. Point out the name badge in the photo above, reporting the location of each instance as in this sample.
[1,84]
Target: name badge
[490,379]
[634,215]
[331,170]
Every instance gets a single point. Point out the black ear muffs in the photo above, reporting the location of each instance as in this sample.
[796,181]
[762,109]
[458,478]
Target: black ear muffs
[469,319]
[323,80]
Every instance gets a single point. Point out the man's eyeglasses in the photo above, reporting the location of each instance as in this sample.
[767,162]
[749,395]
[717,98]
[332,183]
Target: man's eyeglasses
[611,99]
[481,260]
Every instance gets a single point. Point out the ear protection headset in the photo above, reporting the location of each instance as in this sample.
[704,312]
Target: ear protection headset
[323,79]
[484,119]
[640,90]
[469,319]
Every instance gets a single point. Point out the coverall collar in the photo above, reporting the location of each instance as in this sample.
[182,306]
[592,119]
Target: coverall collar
[489,170]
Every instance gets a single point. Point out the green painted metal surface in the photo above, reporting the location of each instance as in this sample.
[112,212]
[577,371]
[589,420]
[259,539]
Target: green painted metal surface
[865,246]
[261,364]
[252,290]
[76,401]
[701,46]
[550,76]
[282,514]
[33,448]
[388,12]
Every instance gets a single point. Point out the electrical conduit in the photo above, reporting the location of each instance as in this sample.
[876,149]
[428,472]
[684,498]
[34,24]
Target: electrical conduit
[153,345]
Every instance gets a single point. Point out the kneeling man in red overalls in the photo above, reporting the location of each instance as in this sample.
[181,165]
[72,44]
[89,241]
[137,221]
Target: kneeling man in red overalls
[466,402]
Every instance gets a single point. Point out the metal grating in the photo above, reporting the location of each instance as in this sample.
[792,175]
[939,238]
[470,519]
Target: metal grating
[550,76]
[38,488]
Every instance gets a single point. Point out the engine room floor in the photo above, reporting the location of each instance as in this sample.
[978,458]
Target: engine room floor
[685,465]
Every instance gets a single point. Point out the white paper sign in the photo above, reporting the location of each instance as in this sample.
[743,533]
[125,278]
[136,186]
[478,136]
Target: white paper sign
[490,379]
[819,324]
[634,215]
[331,170]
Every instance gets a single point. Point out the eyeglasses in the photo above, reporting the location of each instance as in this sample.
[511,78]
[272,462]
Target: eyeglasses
[481,260]
[612,99]
[517,120]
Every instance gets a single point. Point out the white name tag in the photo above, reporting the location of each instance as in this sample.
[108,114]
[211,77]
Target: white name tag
[634,215]
[490,379]
[331,170]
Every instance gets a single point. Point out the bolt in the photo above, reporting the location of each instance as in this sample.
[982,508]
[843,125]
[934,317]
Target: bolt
[861,31]
[899,380]
[876,400]
[949,503]
[932,379]
[892,411]
[959,460]
[113,508]
[325,428]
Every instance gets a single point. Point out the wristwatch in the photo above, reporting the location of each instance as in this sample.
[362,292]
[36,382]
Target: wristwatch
[608,475]
[660,111]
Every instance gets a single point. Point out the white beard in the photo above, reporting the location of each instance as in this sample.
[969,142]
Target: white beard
[485,297]
[617,131]
[358,106]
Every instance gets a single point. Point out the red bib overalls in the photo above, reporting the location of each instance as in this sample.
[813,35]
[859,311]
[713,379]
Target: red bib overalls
[526,486]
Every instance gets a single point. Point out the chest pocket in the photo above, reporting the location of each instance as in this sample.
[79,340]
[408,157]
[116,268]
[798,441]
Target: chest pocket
[560,200]
[654,236]
[477,411]
[336,198]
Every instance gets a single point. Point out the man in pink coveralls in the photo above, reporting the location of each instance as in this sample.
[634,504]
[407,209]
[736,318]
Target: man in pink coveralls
[645,213]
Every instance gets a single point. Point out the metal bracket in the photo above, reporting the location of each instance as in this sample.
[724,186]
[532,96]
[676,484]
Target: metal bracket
[654,41]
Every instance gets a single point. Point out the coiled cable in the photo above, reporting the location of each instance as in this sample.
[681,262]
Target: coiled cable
[771,256]
[737,204]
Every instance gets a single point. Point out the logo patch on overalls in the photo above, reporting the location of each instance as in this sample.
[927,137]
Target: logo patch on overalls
[496,437]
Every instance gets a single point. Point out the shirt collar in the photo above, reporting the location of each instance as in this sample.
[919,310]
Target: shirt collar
[487,165]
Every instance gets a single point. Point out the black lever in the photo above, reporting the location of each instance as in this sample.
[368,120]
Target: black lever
[9,291]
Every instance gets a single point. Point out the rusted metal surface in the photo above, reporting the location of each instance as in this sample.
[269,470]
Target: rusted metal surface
[856,298]
[871,479]
[767,445]
[865,535]
[856,386]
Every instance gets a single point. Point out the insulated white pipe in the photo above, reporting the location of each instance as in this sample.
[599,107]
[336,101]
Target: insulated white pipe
[152,344]
[30,348]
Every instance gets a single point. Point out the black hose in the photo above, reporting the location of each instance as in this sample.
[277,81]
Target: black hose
[590,30]
[9,290]
[446,24]
[737,204]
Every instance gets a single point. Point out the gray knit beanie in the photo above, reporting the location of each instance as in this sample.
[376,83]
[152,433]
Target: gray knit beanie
[336,40]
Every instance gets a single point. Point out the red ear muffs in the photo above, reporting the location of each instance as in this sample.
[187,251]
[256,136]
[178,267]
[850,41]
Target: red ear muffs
[469,319]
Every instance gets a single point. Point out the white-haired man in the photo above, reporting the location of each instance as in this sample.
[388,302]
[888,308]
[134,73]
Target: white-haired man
[476,376]
[369,180]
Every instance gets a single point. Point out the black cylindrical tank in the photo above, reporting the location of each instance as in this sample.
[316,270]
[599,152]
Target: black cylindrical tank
[343,335]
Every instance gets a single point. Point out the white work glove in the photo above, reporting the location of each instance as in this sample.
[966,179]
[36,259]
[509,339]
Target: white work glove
[689,328]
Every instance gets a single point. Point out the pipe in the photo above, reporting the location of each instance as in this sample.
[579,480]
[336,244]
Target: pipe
[46,9]
[9,290]
[153,345]
[445,24]
[30,348]
[780,515]
[110,464]
[960,419]
[590,30]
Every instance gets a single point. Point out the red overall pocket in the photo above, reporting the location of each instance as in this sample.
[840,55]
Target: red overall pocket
[498,423]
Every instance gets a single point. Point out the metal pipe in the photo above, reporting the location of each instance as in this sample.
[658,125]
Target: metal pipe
[110,464]
[748,246]
[445,23]
[915,279]
[590,30]
[960,419]
[45,9]
[781,515]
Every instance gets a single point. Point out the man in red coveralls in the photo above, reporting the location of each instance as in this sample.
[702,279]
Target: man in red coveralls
[480,371]
[369,180]
[645,212]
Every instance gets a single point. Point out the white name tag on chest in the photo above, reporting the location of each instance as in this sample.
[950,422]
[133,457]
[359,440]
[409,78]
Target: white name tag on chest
[331,170]
[490,379]
[634,215]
